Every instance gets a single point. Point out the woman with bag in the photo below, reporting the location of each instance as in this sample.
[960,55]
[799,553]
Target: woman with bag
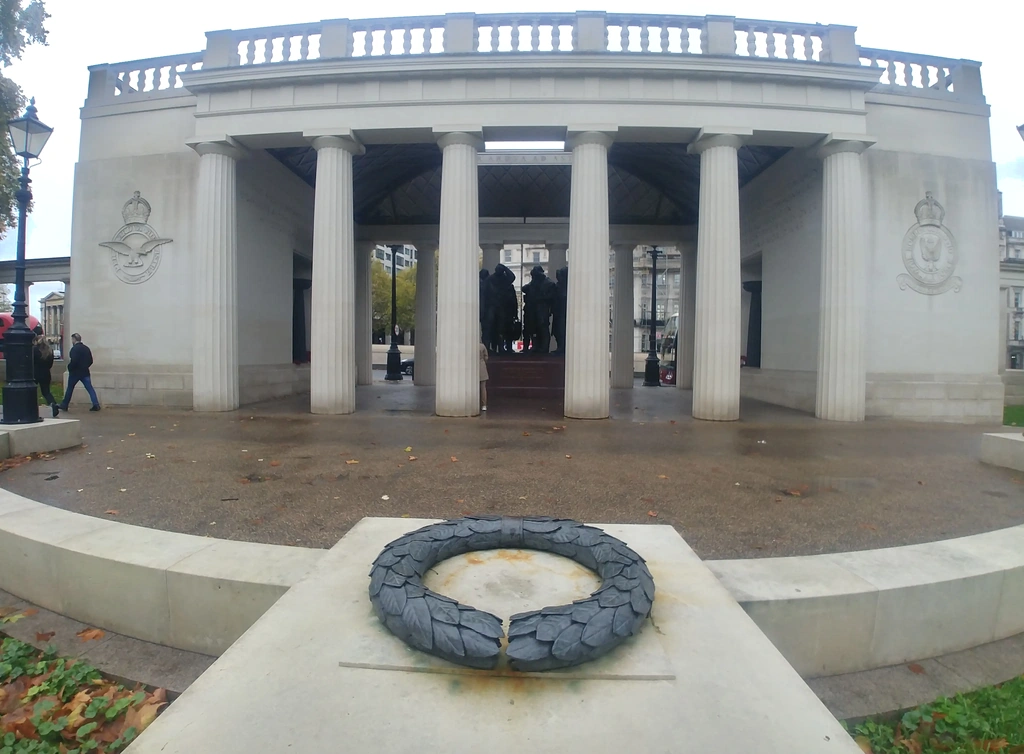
[42,357]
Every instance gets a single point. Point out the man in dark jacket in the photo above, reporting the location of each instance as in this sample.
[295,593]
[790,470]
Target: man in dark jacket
[80,359]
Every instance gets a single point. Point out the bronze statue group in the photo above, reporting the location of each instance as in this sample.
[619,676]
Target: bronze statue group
[544,306]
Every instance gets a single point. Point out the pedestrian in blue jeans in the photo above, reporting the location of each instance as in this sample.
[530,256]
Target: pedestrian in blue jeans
[80,359]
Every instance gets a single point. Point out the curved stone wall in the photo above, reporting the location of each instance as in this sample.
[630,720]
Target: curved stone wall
[826,614]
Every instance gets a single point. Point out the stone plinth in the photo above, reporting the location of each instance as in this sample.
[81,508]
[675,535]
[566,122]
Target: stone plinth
[699,673]
[1004,449]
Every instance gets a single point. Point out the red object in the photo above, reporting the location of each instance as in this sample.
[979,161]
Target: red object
[7,319]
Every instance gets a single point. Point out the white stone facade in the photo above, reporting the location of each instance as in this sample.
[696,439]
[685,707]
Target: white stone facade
[863,212]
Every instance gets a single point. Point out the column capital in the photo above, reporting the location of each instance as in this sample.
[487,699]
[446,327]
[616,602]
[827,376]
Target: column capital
[224,145]
[578,135]
[719,136]
[470,136]
[338,138]
[836,142]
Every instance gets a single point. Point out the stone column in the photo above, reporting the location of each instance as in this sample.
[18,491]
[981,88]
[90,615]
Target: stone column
[1004,328]
[492,255]
[332,370]
[215,280]
[458,289]
[716,358]
[687,317]
[841,361]
[424,371]
[753,287]
[556,257]
[65,335]
[587,379]
[364,312]
[622,318]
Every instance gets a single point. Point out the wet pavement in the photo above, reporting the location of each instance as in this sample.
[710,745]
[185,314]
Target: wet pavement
[778,482]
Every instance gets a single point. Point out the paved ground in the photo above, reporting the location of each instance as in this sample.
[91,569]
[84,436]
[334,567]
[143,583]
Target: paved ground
[776,483]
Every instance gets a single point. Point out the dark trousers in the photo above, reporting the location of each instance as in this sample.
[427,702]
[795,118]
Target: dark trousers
[44,388]
[74,379]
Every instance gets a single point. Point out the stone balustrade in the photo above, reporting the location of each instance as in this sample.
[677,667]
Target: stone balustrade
[786,41]
[142,79]
[561,33]
[925,75]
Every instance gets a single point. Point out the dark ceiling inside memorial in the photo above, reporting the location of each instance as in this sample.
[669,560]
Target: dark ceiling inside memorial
[648,184]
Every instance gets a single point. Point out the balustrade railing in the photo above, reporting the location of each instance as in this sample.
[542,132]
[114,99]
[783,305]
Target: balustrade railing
[552,33]
[670,34]
[532,33]
[778,39]
[278,44]
[396,36]
[142,79]
[908,71]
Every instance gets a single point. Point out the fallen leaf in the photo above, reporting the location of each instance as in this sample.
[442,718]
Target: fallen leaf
[671,421]
[522,497]
[405,515]
[275,463]
[568,455]
[124,489]
[150,455]
[526,434]
[131,434]
[864,744]
[869,527]
[652,514]
[45,636]
[454,459]
[110,451]
[91,634]
[111,512]
[793,493]
[82,490]
[412,458]
[351,461]
[30,612]
[662,476]
[408,449]
[915,668]
[384,497]
[459,500]
[921,483]
[778,500]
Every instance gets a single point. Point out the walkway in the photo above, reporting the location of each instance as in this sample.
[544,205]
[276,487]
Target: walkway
[776,483]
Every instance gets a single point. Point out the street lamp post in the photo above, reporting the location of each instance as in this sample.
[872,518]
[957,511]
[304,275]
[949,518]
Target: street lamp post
[652,371]
[21,406]
[394,373]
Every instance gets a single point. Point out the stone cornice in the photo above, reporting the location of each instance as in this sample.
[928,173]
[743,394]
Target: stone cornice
[445,66]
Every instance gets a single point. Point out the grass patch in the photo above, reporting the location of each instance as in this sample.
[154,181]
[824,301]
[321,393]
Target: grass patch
[54,705]
[987,720]
[58,393]
[1013,416]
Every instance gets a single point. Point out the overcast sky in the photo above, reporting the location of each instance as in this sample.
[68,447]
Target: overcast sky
[87,32]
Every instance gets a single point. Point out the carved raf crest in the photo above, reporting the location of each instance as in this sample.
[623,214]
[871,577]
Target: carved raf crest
[135,248]
[929,251]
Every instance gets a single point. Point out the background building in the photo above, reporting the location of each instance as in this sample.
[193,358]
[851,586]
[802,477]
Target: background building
[1011,290]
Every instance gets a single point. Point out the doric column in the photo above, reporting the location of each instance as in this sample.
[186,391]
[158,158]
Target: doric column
[364,312]
[1004,328]
[622,318]
[556,257]
[492,255]
[215,279]
[687,317]
[332,384]
[458,290]
[841,362]
[753,287]
[65,323]
[426,317]
[587,379]
[716,358]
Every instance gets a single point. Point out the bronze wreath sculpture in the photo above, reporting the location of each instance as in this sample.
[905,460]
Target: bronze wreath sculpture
[553,637]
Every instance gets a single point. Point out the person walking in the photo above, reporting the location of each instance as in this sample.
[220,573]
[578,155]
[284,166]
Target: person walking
[80,359]
[42,357]
[483,377]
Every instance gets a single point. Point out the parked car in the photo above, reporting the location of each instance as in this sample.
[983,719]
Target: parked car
[407,366]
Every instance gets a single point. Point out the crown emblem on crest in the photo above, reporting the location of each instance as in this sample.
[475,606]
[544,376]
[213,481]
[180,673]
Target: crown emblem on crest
[137,210]
[929,211]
